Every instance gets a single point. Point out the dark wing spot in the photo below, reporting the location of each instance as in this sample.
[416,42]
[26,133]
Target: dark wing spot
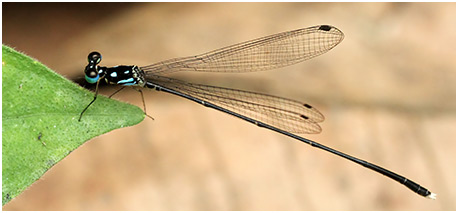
[325,27]
[308,106]
[304,117]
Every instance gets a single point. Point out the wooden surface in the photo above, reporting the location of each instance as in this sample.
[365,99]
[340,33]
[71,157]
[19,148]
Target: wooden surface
[387,92]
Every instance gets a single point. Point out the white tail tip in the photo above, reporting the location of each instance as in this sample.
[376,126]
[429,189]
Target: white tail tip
[432,196]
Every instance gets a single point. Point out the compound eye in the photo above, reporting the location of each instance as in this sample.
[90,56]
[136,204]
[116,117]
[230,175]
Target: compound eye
[91,75]
[94,57]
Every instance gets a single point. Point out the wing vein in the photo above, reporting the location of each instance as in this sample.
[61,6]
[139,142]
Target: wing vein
[279,112]
[269,52]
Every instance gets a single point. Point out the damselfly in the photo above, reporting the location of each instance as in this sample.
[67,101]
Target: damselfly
[278,114]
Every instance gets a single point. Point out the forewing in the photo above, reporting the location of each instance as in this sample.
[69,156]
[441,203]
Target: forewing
[270,52]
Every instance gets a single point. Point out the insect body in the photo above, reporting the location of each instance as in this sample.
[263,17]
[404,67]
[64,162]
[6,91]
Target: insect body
[281,115]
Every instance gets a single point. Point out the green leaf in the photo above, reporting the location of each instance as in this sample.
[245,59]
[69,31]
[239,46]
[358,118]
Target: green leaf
[40,120]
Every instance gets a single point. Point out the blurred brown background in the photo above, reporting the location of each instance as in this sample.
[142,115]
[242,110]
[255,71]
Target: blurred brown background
[387,91]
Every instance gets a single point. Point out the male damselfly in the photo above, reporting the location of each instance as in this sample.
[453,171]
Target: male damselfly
[278,114]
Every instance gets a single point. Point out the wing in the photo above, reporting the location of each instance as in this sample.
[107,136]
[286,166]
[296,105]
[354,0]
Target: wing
[270,52]
[285,114]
